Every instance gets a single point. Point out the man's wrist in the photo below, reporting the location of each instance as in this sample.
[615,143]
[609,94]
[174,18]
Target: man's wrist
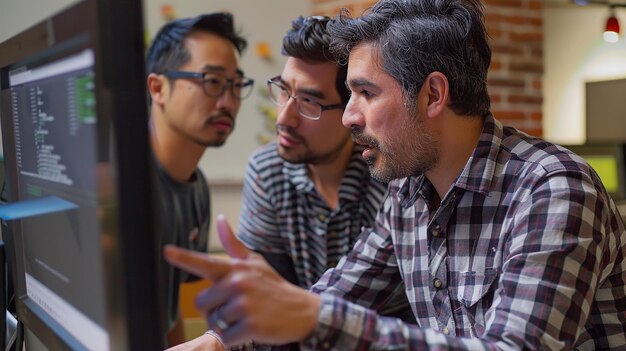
[216,336]
[313,306]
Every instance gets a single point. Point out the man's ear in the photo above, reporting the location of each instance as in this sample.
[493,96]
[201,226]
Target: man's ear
[438,93]
[157,87]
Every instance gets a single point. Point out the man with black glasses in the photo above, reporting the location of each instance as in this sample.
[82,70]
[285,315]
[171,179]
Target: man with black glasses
[196,88]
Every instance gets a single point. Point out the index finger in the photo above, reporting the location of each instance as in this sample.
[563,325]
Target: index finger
[197,263]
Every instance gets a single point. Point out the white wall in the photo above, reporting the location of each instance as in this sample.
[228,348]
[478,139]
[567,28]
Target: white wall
[574,53]
[17,15]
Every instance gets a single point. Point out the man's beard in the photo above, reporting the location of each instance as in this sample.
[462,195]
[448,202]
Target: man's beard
[306,156]
[412,152]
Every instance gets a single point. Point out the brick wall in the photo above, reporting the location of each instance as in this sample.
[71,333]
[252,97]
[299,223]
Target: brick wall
[514,80]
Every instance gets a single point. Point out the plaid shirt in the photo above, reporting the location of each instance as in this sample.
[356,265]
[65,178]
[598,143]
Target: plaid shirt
[525,251]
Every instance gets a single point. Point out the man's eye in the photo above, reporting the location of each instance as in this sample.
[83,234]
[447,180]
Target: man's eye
[366,93]
[213,80]
[309,101]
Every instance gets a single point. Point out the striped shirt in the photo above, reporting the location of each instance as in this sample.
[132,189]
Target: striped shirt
[525,251]
[282,212]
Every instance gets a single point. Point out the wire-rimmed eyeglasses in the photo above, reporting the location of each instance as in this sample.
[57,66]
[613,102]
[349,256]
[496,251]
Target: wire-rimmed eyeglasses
[215,84]
[306,107]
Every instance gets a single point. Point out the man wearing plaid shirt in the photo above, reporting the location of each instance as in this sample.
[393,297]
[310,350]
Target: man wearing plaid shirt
[503,241]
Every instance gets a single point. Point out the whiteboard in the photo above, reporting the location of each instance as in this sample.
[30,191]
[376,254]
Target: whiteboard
[259,21]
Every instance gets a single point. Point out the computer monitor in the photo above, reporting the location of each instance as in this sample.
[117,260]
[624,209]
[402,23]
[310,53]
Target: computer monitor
[78,222]
[607,159]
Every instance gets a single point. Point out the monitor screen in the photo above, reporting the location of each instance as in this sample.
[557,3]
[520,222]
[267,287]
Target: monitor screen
[78,222]
[608,162]
[606,167]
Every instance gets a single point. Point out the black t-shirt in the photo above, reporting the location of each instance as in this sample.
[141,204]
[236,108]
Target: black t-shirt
[184,213]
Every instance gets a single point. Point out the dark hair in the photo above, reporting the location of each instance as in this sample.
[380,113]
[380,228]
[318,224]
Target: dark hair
[168,52]
[309,40]
[418,37]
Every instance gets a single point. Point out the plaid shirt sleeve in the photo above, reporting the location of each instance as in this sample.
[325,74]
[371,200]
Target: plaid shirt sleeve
[562,247]
[369,273]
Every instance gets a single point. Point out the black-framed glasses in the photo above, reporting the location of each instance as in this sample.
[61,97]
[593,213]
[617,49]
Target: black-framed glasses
[306,107]
[215,84]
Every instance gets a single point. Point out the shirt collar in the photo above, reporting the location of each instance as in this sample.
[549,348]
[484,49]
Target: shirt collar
[478,173]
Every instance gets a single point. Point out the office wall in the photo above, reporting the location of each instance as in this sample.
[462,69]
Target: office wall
[574,54]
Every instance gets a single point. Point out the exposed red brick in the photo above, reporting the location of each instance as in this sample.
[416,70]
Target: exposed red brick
[494,33]
[370,3]
[495,98]
[351,8]
[492,18]
[506,82]
[495,65]
[536,132]
[526,99]
[505,3]
[526,66]
[535,21]
[535,5]
[527,36]
[515,19]
[509,115]
[507,49]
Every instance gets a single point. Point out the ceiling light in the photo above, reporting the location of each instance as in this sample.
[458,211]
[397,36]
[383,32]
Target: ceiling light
[611,31]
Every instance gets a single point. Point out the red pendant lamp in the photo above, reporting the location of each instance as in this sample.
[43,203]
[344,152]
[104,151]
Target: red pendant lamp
[612,31]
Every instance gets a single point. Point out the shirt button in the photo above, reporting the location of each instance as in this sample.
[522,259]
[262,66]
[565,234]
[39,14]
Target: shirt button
[446,330]
[436,230]
[437,283]
[321,217]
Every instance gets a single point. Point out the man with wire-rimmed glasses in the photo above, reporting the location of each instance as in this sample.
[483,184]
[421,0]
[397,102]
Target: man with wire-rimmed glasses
[196,87]
[307,194]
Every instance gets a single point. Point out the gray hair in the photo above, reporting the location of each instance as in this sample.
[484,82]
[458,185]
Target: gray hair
[418,37]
